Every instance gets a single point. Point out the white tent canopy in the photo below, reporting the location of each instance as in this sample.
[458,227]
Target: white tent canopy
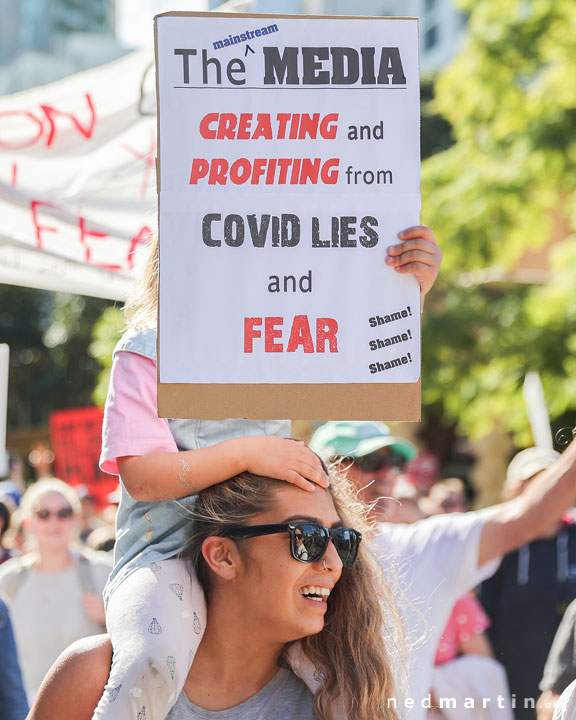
[77,179]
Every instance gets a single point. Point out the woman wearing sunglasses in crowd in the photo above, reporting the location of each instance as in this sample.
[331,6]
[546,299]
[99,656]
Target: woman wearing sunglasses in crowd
[54,591]
[291,591]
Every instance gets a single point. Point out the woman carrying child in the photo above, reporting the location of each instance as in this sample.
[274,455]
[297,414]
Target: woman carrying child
[163,464]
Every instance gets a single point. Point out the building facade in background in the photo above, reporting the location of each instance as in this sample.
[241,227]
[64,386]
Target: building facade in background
[442,26]
[45,40]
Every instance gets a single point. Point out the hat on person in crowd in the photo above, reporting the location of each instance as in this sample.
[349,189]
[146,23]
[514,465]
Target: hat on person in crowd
[355,439]
[528,463]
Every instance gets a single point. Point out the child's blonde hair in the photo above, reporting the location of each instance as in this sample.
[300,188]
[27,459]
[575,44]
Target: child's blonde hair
[141,308]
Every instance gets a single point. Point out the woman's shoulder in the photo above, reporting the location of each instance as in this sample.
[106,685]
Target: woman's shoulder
[16,565]
[75,682]
[13,572]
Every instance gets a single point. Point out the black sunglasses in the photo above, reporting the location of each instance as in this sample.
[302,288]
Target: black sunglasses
[376,461]
[308,540]
[62,514]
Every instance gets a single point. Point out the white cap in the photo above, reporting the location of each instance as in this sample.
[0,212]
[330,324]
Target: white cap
[528,463]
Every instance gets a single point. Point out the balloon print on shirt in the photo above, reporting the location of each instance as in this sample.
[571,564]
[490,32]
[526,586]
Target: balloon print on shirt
[155,567]
[113,693]
[155,628]
[319,675]
[171,664]
[142,714]
[177,589]
[197,625]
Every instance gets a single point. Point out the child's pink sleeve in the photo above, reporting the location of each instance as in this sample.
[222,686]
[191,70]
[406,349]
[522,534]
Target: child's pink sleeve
[131,424]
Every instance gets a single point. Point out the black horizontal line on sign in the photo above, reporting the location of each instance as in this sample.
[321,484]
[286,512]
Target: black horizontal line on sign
[286,87]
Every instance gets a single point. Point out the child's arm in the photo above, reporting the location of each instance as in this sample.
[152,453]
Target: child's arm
[162,475]
[139,446]
[417,254]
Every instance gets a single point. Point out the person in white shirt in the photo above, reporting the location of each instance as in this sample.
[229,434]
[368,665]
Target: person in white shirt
[566,706]
[439,559]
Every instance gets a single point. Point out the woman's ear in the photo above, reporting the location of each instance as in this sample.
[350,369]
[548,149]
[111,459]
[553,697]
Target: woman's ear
[221,556]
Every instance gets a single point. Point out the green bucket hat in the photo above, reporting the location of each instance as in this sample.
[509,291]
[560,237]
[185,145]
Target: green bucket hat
[355,438]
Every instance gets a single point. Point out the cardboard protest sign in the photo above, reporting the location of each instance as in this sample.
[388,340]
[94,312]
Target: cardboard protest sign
[289,161]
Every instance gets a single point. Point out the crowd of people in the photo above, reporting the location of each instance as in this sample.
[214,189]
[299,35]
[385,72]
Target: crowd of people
[455,645]
[256,576]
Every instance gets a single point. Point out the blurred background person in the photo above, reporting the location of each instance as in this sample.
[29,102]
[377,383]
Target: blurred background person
[560,668]
[102,539]
[54,590]
[432,561]
[13,703]
[5,515]
[370,456]
[90,518]
[566,706]
[14,539]
[465,667]
[407,508]
[447,496]
[528,595]
[464,663]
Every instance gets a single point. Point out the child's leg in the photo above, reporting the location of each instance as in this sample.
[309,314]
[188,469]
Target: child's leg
[155,619]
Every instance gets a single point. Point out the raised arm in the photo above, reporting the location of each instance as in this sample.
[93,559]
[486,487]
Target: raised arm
[527,517]
[75,683]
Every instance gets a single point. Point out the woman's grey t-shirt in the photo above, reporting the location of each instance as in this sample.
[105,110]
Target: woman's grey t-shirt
[285,697]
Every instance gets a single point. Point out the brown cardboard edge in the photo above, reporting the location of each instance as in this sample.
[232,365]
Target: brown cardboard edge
[298,401]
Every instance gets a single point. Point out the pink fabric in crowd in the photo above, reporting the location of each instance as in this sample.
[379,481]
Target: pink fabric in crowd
[467,619]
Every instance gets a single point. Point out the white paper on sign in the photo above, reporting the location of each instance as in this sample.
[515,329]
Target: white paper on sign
[290,160]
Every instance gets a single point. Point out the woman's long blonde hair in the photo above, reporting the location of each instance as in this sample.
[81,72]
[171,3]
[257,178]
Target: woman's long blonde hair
[351,652]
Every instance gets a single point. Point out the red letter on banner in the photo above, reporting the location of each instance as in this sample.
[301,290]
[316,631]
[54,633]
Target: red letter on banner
[34,205]
[87,131]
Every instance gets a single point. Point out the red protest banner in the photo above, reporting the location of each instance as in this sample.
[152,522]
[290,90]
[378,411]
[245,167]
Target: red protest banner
[76,437]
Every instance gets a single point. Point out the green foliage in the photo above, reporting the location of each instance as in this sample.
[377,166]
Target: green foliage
[105,336]
[50,367]
[508,184]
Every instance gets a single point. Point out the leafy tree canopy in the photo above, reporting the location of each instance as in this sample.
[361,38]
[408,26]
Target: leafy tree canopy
[50,367]
[507,185]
